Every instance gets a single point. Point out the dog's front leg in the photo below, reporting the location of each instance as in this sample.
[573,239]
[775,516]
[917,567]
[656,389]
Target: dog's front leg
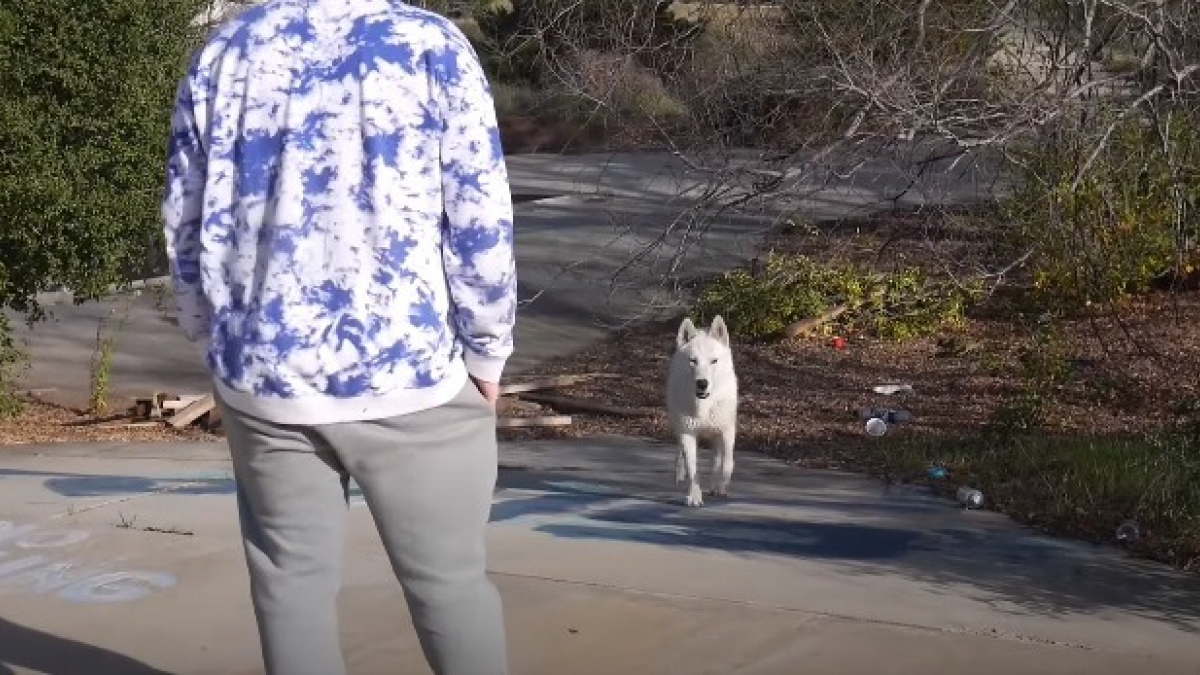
[687,445]
[722,476]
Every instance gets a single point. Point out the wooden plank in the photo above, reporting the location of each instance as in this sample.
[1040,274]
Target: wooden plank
[180,403]
[543,421]
[570,404]
[549,383]
[193,412]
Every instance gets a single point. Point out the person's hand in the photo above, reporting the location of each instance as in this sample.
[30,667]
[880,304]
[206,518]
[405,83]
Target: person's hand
[490,390]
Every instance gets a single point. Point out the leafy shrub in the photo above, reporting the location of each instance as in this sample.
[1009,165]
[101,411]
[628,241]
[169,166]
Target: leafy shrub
[11,358]
[785,289]
[1132,216]
[86,88]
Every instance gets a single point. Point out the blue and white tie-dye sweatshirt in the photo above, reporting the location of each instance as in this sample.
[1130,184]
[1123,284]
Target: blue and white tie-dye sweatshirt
[337,212]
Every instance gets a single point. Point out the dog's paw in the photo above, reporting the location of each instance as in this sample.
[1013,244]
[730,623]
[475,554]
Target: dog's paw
[719,492]
[695,496]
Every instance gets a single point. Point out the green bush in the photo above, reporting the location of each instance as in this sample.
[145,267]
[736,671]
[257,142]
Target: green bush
[11,359]
[785,289]
[85,98]
[1133,216]
[86,88]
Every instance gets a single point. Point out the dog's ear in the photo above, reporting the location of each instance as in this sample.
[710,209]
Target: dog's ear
[687,331]
[718,330]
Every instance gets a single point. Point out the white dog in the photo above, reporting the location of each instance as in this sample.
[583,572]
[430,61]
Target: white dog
[702,398]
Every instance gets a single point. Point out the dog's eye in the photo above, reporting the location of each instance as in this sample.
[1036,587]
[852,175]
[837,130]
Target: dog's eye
[713,361]
[694,361]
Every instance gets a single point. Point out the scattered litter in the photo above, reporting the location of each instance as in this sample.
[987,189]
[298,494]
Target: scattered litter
[878,421]
[936,472]
[970,498]
[889,389]
[838,343]
[876,427]
[889,416]
[1128,532]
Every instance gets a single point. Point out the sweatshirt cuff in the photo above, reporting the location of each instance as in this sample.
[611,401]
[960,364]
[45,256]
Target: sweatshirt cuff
[486,368]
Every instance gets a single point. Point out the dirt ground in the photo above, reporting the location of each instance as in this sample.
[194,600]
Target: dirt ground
[800,398]
[43,421]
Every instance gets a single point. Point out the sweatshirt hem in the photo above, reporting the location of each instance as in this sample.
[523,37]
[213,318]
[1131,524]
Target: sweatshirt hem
[317,410]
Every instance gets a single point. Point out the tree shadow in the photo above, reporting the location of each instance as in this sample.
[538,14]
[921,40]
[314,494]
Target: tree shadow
[89,485]
[897,533]
[24,647]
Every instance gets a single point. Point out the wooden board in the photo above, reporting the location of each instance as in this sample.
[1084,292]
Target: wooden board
[180,402]
[544,421]
[193,412]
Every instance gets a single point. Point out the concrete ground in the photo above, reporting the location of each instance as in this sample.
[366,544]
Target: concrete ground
[124,559]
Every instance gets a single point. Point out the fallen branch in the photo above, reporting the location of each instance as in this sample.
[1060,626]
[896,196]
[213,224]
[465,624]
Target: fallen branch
[100,421]
[570,404]
[128,425]
[549,383]
[803,326]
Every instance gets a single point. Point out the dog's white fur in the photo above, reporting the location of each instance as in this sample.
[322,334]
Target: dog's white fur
[702,399]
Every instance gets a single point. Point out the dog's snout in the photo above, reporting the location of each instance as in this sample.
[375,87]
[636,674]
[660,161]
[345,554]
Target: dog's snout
[702,384]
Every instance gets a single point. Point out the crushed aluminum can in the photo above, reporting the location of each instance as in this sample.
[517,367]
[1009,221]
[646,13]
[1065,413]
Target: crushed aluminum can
[888,416]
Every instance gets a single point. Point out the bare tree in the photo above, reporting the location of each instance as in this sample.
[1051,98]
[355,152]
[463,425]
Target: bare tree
[764,105]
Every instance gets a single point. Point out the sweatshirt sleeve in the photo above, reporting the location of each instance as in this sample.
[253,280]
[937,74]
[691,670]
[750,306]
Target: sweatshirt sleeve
[182,215]
[477,252]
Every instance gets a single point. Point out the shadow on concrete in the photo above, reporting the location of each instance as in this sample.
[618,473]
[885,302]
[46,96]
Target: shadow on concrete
[84,485]
[910,536]
[665,524]
[35,650]
[853,524]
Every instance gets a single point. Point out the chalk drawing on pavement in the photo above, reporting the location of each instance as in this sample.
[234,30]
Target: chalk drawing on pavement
[28,562]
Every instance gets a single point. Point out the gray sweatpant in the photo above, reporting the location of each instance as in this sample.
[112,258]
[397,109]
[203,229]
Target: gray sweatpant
[428,479]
